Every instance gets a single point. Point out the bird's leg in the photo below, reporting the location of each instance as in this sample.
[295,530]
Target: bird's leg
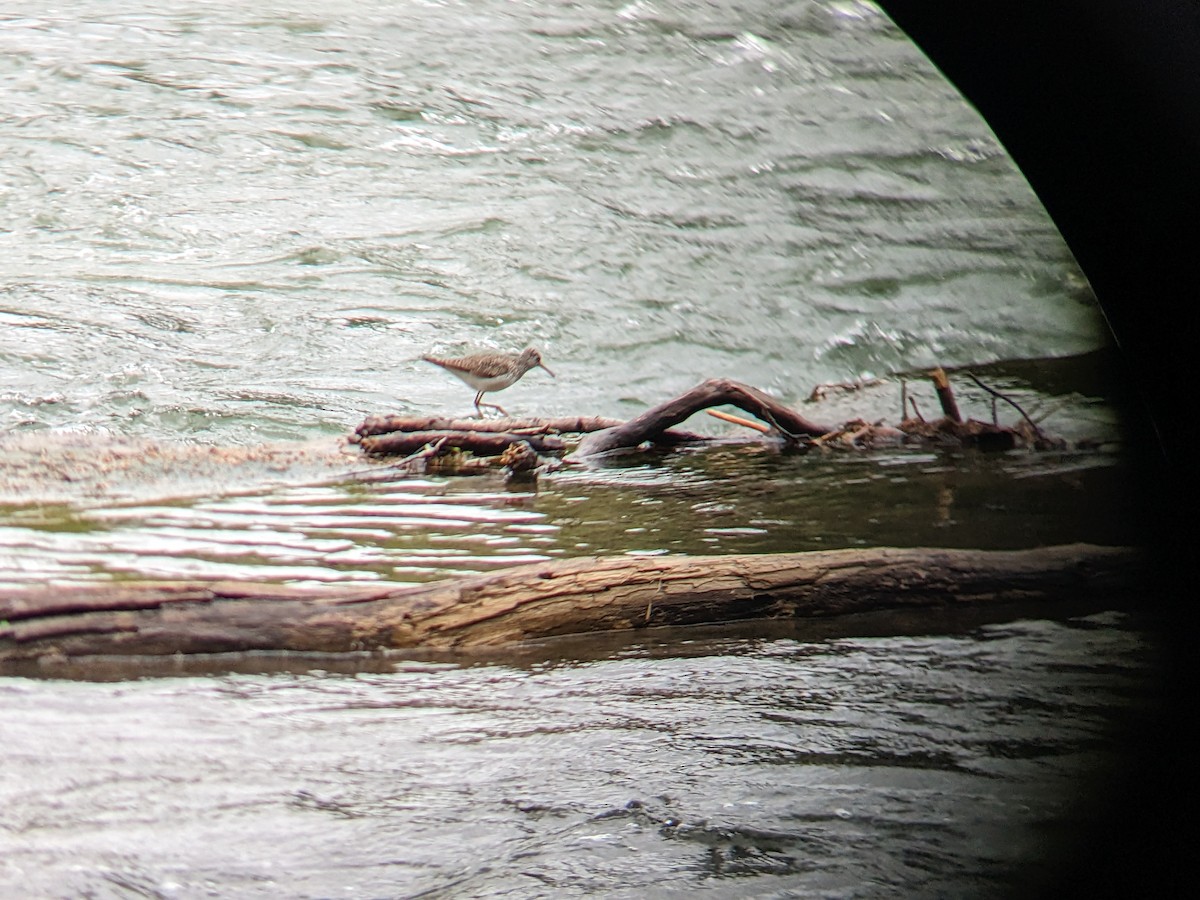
[479,404]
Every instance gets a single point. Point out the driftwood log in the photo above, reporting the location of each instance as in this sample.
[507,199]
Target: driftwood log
[483,443]
[429,438]
[542,600]
[393,435]
[386,424]
[388,435]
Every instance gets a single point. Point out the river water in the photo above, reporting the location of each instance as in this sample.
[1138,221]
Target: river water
[227,234]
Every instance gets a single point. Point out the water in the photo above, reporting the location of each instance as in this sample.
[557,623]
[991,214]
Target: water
[729,767]
[248,224]
[226,236]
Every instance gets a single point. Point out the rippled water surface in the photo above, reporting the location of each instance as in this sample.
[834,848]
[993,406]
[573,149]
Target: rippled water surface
[242,226]
[248,222]
[227,234]
[851,767]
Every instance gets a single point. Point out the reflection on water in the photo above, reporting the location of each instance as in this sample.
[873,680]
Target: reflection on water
[300,535]
[721,500]
[753,766]
[80,508]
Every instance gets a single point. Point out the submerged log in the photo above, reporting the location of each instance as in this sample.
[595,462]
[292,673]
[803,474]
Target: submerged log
[541,600]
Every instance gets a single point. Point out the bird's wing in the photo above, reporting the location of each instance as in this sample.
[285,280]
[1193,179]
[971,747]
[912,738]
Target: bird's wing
[482,365]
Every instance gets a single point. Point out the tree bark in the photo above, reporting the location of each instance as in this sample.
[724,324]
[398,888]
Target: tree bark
[541,600]
[481,443]
[385,424]
[398,435]
[945,394]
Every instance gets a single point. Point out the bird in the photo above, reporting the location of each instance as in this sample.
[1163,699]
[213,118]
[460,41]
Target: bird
[489,372]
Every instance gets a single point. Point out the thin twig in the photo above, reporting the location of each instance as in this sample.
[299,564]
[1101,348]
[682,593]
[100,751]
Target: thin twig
[912,401]
[384,472]
[821,439]
[738,420]
[1010,402]
[794,438]
[1039,416]
[853,436]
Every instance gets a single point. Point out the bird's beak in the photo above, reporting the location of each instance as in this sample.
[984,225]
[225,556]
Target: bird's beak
[552,375]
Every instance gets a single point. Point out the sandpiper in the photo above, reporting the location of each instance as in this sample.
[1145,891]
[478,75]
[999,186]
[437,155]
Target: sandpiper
[487,372]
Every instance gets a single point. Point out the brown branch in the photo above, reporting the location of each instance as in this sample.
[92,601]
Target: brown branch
[651,424]
[996,395]
[479,443]
[916,410]
[397,435]
[385,424]
[945,394]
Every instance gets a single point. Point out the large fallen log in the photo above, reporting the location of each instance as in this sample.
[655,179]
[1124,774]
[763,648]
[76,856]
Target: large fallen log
[541,600]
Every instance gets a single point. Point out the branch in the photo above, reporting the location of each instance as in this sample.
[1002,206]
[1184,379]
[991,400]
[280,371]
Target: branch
[713,392]
[1013,403]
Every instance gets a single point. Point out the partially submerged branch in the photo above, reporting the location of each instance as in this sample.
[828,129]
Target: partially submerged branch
[713,392]
[973,433]
[408,435]
[996,395]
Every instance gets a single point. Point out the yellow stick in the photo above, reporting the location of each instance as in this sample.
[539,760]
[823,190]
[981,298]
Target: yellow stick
[737,420]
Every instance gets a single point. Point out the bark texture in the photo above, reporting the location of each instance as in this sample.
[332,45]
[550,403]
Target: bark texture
[541,600]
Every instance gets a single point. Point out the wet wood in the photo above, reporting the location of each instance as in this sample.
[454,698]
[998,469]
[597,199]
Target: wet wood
[990,436]
[403,435]
[438,437]
[481,443]
[945,395]
[651,424]
[861,435]
[538,601]
[385,424]
[997,395]
[981,435]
